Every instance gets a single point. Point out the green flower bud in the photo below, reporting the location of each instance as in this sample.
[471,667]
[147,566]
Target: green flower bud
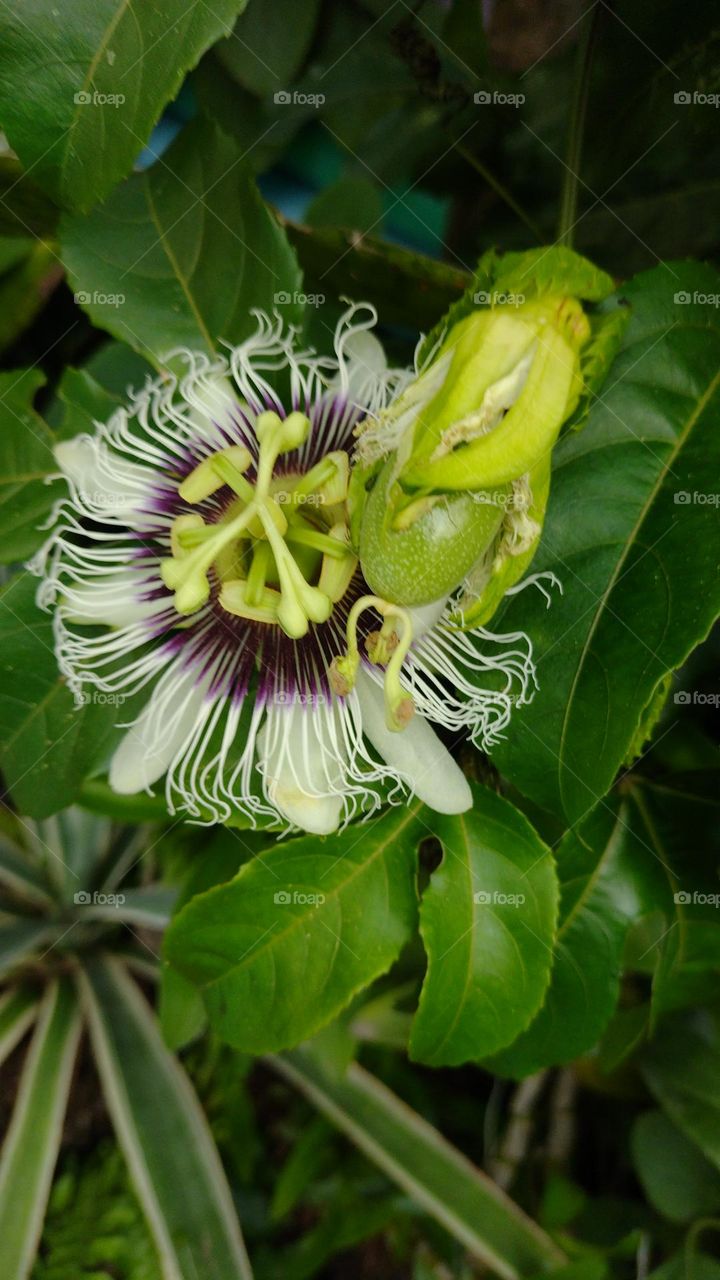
[513,379]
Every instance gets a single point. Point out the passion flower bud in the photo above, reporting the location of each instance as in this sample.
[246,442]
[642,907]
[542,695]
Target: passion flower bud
[462,490]
[513,378]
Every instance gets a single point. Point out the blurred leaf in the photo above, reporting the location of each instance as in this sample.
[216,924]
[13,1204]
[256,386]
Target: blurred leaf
[352,201]
[24,291]
[47,745]
[405,287]
[488,920]
[80,90]
[608,878]
[681,1066]
[269,44]
[20,940]
[33,1138]
[18,1011]
[677,1179]
[26,462]
[163,1133]
[634,549]
[180,254]
[284,946]
[431,1171]
[25,210]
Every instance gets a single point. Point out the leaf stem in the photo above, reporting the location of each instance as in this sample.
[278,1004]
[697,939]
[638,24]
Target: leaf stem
[500,190]
[581,91]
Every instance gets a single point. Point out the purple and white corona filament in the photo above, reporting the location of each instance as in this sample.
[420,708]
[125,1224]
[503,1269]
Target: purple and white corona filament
[203,557]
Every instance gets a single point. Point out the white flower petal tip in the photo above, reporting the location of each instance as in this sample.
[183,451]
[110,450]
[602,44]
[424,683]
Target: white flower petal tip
[315,815]
[151,744]
[416,753]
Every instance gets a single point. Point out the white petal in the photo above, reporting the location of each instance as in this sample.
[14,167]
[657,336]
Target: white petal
[365,359]
[298,755]
[415,752]
[425,616]
[152,742]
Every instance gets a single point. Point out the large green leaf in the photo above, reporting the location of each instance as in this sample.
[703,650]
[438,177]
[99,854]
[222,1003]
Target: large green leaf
[284,946]
[682,1068]
[26,461]
[81,87]
[631,531]
[20,939]
[163,1133]
[435,1174]
[33,1138]
[180,254]
[608,877]
[676,1178]
[47,746]
[488,922]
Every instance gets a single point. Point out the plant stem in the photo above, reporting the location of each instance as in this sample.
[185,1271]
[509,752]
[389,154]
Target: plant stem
[501,191]
[581,92]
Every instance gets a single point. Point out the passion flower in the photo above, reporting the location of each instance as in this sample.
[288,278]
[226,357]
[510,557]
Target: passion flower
[204,560]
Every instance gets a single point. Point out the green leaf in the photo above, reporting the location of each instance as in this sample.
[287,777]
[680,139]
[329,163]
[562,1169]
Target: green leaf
[33,1138]
[20,939]
[284,946]
[163,1133]
[180,254]
[21,876]
[433,1173]
[608,878]
[26,461]
[399,282]
[268,45]
[18,1011]
[488,922]
[681,1066]
[47,745]
[631,531]
[149,907]
[676,1178]
[81,89]
[25,210]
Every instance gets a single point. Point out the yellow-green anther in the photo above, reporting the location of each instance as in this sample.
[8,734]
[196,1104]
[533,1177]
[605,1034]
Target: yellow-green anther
[234,598]
[187,532]
[336,576]
[187,576]
[205,479]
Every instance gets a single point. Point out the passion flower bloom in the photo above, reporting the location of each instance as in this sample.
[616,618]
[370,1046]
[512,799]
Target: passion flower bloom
[204,560]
